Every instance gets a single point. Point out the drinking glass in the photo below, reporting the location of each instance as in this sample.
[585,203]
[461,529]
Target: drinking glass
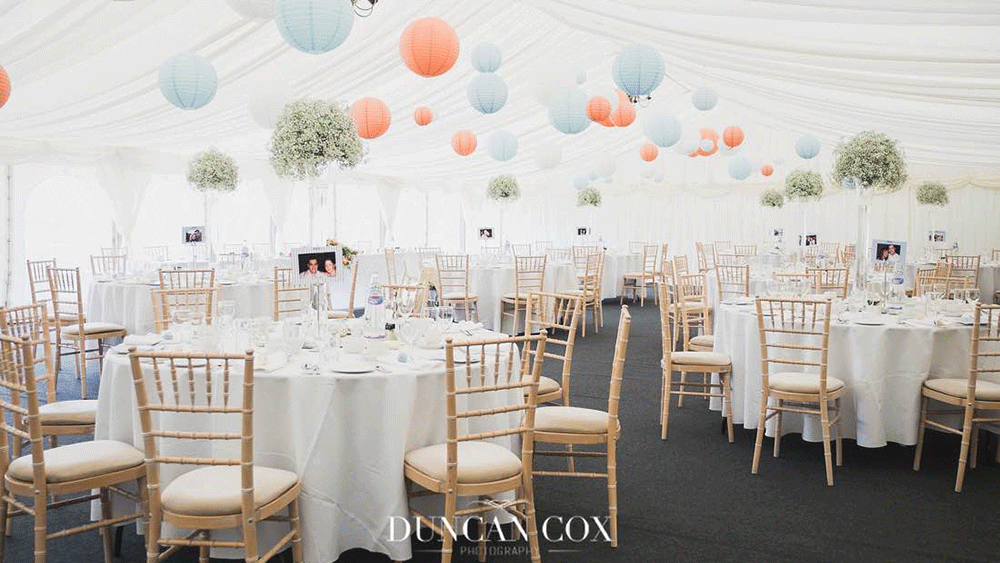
[432,313]
[446,314]
[972,295]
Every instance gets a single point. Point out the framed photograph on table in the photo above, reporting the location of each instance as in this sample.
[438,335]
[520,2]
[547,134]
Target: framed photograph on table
[582,231]
[811,239]
[193,235]
[486,233]
[777,234]
[320,263]
[889,251]
[936,236]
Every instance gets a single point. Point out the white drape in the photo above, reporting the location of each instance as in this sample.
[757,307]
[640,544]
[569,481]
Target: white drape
[125,177]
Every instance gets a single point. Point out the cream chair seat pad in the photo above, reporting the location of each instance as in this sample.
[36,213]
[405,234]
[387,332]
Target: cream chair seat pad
[79,461]
[216,491]
[478,462]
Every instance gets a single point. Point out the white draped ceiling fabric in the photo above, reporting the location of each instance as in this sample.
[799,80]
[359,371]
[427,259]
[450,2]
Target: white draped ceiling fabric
[926,72]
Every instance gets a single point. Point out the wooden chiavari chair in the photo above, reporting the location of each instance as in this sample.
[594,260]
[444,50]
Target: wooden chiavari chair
[972,395]
[681,265]
[808,279]
[965,266]
[732,281]
[199,252]
[156,253]
[30,323]
[636,246]
[705,363]
[995,255]
[745,250]
[796,332]
[261,249]
[390,265]
[641,281]
[831,279]
[72,326]
[560,254]
[290,294]
[228,259]
[404,291]
[554,313]
[108,265]
[847,254]
[494,251]
[580,253]
[194,301]
[568,425]
[471,463]
[187,279]
[706,260]
[723,246]
[590,292]
[830,249]
[942,287]
[74,470]
[529,276]
[722,259]
[112,251]
[693,315]
[349,312]
[428,254]
[38,281]
[543,246]
[227,490]
[521,249]
[453,279]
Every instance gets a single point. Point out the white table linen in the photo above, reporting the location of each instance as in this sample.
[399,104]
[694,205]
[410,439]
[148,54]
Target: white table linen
[490,283]
[616,265]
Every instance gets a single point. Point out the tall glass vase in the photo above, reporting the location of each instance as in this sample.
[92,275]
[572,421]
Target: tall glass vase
[208,233]
[862,252]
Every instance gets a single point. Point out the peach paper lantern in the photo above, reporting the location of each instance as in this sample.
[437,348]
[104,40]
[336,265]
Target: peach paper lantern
[429,46]
[598,109]
[649,152]
[4,87]
[625,114]
[464,142]
[709,135]
[607,122]
[767,170]
[372,117]
[732,136]
[423,115]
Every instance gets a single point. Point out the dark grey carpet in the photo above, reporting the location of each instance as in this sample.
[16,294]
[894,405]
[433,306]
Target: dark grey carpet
[692,498]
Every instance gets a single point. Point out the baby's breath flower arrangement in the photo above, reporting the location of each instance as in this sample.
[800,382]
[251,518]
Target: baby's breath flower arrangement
[874,159]
[802,185]
[588,196]
[772,198]
[213,170]
[932,193]
[311,135]
[503,188]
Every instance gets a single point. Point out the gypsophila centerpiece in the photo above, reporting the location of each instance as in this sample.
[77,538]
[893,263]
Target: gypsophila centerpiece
[874,159]
[588,196]
[803,185]
[503,188]
[932,193]
[213,170]
[311,135]
[772,198]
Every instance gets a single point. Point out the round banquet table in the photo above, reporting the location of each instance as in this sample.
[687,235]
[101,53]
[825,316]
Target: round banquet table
[343,435]
[129,304]
[883,368]
[989,278]
[616,265]
[758,286]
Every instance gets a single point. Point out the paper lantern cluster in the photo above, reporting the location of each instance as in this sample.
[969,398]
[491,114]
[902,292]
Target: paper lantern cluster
[568,111]
[503,145]
[807,147]
[371,116]
[464,142]
[638,70]
[487,93]
[423,115]
[429,46]
[188,81]
[4,87]
[548,156]
[314,26]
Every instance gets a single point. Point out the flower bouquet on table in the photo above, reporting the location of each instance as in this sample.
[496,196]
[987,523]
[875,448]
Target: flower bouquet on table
[347,253]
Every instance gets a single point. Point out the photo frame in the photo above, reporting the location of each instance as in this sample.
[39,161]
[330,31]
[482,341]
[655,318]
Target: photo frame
[886,251]
[812,239]
[194,234]
[317,264]
[582,231]
[937,236]
[485,233]
[777,234]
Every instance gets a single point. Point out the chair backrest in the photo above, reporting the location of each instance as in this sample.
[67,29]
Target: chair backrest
[830,249]
[156,253]
[187,279]
[681,265]
[590,280]
[401,291]
[984,356]
[67,297]
[745,249]
[555,313]
[965,266]
[831,279]
[691,299]
[618,368]
[30,323]
[261,249]
[580,253]
[649,263]
[426,254]
[476,369]
[390,264]
[995,255]
[228,258]
[728,259]
[108,265]
[732,281]
[723,246]
[807,278]
[944,287]
[177,391]
[636,246]
[38,281]
[666,268]
[542,246]
[193,301]
[942,269]
[847,254]
[492,250]
[559,254]
[794,332]
[529,274]
[521,249]
[20,402]
[706,260]
[453,274]
[290,294]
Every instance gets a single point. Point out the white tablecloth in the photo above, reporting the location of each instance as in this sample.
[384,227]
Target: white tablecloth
[490,283]
[883,368]
[129,304]
[343,435]
[615,268]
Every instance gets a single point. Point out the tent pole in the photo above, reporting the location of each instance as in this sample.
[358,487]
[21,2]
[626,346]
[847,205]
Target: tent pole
[9,197]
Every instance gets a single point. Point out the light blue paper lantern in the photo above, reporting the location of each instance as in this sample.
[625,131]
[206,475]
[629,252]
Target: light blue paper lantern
[704,98]
[662,129]
[314,26]
[740,168]
[568,111]
[807,147]
[592,175]
[503,145]
[188,81]
[486,57]
[580,182]
[487,93]
[638,70]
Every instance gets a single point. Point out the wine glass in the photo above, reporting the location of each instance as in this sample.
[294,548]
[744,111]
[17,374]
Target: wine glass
[972,295]
[446,314]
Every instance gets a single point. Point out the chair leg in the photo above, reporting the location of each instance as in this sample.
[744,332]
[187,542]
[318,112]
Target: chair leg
[726,379]
[107,531]
[529,497]
[974,454]
[920,433]
[449,515]
[759,444]
[613,488]
[250,540]
[964,454]
[680,398]
[840,435]
[481,551]
[601,309]
[824,417]
[81,366]
[204,550]
[40,499]
[153,530]
[665,401]
[293,513]
[3,518]
[777,429]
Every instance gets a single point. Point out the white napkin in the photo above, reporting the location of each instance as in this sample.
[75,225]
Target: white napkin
[142,339]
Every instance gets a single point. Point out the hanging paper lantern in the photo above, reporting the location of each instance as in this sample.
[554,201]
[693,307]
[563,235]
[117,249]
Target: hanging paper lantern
[607,122]
[767,170]
[649,152]
[253,9]
[592,175]
[607,168]
[568,111]
[314,26]
[486,57]
[608,93]
[371,116]
[549,79]
[581,75]
[429,46]
[732,136]
[625,114]
[807,147]
[659,176]
[708,142]
[661,128]
[638,70]
[503,145]
[548,155]
[4,87]
[188,81]
[704,98]
[464,142]
[423,115]
[739,167]
[487,93]
[267,103]
[598,109]
[580,182]
[689,146]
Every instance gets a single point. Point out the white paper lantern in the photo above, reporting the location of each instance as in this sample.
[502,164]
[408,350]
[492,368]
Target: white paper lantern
[807,147]
[503,145]
[568,111]
[662,129]
[487,93]
[266,105]
[704,98]
[706,145]
[253,9]
[593,175]
[638,70]
[314,26]
[486,57]
[548,155]
[739,167]
[188,81]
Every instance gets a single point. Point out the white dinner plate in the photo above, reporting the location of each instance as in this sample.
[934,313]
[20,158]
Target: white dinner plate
[352,366]
[870,322]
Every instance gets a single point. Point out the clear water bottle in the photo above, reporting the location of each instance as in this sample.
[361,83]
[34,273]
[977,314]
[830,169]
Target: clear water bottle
[375,311]
[244,256]
[896,291]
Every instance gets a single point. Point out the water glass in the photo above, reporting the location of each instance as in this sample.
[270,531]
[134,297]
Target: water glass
[446,314]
